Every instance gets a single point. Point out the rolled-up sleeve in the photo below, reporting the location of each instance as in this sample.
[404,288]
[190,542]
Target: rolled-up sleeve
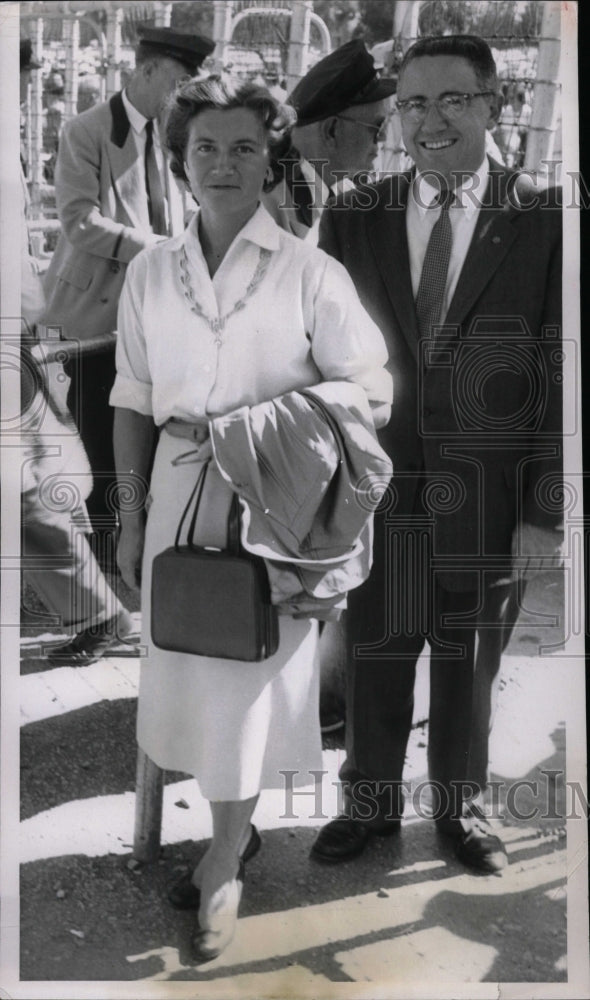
[345,342]
[132,389]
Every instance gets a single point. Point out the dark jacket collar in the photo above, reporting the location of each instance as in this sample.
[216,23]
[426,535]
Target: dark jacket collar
[121,126]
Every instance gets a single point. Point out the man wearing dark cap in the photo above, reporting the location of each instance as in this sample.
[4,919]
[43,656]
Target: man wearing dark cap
[115,195]
[342,112]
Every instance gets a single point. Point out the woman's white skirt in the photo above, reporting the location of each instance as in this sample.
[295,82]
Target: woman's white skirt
[234,725]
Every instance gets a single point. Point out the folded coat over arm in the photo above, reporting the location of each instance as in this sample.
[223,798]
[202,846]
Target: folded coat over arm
[310,473]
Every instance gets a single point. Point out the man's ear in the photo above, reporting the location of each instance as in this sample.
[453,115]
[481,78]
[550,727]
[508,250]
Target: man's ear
[147,68]
[328,129]
[496,105]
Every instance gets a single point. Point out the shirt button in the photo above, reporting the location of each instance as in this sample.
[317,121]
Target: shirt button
[197,409]
[206,368]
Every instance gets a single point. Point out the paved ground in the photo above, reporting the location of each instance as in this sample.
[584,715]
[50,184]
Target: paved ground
[404,919]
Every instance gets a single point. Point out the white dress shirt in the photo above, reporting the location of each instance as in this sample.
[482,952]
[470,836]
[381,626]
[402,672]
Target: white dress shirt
[138,123]
[463,213]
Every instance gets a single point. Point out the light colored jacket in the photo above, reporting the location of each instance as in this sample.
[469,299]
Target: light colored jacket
[310,472]
[102,206]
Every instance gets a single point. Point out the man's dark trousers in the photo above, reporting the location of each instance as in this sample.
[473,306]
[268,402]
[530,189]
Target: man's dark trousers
[388,627]
[92,375]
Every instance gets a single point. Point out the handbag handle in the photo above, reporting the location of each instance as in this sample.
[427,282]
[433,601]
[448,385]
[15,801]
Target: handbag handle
[233,521]
[195,492]
[234,543]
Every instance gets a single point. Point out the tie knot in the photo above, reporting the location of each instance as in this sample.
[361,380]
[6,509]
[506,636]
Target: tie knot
[149,127]
[444,199]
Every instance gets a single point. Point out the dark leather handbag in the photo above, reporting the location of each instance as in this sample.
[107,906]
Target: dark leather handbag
[212,602]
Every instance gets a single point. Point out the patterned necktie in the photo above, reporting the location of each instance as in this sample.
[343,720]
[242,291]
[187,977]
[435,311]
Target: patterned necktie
[433,280]
[153,184]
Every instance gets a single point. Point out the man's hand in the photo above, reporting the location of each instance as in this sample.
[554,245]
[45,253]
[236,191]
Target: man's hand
[535,550]
[130,552]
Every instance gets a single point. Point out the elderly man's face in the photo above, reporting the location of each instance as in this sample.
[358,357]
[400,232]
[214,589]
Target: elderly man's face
[162,77]
[448,145]
[357,134]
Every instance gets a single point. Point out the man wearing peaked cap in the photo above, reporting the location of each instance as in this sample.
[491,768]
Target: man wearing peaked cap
[115,195]
[341,107]
[190,50]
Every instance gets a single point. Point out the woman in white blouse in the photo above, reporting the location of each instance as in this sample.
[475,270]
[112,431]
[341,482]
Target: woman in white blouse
[233,312]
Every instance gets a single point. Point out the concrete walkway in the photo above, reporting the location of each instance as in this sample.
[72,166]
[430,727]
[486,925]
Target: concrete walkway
[404,919]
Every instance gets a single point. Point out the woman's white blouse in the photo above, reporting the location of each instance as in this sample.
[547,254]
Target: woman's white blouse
[302,324]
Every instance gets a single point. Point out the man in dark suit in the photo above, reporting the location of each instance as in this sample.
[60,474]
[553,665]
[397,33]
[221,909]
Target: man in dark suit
[115,195]
[464,279]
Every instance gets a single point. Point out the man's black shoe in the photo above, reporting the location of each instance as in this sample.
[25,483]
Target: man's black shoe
[92,643]
[330,722]
[476,845]
[345,838]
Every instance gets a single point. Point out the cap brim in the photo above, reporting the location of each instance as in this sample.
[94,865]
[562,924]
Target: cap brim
[378,91]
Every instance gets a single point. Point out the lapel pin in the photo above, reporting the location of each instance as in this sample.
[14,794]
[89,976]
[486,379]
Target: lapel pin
[496,239]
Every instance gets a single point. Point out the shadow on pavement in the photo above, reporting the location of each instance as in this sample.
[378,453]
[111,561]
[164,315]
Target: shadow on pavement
[98,915]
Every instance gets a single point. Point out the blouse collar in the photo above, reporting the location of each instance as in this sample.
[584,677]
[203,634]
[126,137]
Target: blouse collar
[260,229]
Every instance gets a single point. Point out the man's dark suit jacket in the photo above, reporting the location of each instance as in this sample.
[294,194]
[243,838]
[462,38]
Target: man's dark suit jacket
[475,430]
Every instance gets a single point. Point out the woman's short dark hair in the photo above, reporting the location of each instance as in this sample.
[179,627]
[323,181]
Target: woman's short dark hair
[217,93]
[470,47]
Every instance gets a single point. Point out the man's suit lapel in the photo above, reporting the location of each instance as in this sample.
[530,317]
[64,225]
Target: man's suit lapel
[492,239]
[127,170]
[389,241]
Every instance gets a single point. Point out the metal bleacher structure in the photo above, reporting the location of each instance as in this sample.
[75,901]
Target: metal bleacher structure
[86,48]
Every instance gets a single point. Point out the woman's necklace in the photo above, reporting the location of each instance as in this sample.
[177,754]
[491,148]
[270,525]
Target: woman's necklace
[217,323]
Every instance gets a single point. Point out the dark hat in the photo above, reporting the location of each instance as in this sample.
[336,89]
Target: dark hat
[190,50]
[346,77]
[26,55]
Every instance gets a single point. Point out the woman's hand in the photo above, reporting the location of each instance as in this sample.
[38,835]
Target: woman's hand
[205,451]
[130,553]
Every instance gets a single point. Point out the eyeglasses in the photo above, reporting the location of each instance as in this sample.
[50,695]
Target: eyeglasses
[377,130]
[450,105]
